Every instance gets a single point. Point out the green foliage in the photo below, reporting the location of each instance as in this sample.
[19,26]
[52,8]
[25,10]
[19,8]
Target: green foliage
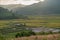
[24,33]
[2,37]
[47,33]
[6,14]
[41,33]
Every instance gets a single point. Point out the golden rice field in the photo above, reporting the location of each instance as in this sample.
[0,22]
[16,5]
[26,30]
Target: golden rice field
[32,22]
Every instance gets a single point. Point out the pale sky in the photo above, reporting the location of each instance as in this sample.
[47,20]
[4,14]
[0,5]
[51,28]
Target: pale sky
[24,2]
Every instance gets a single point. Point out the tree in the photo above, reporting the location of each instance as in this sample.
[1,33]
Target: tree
[6,14]
[24,33]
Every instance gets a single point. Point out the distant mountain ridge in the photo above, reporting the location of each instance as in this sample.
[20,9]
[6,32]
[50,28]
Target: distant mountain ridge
[12,6]
[49,7]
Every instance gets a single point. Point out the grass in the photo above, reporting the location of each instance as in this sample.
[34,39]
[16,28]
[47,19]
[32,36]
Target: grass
[11,36]
[53,22]
[41,37]
[32,22]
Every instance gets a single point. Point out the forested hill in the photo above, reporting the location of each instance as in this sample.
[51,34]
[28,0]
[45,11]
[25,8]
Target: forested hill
[6,14]
[49,7]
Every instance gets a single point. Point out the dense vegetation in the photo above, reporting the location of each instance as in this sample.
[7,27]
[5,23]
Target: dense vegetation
[28,33]
[25,33]
[6,14]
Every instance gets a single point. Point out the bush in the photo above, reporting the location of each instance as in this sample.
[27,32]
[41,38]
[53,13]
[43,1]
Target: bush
[41,33]
[1,37]
[25,33]
[45,33]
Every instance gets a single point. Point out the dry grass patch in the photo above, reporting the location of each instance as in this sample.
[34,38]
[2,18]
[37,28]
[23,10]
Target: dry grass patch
[41,37]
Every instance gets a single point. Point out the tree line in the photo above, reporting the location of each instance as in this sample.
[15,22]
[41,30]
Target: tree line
[6,14]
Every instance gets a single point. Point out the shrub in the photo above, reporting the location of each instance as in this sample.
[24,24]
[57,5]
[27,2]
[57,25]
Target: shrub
[24,33]
[1,37]
[45,33]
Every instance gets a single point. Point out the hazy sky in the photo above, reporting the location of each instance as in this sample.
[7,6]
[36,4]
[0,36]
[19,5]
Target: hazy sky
[24,2]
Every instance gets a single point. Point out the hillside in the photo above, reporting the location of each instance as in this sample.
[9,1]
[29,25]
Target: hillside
[49,7]
[6,14]
[12,6]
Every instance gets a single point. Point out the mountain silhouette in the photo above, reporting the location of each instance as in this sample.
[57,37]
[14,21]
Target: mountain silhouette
[49,7]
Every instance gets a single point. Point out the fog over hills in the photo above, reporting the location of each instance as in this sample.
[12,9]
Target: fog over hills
[49,7]
[12,6]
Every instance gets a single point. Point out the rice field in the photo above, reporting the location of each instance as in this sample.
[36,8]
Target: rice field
[53,22]
[31,22]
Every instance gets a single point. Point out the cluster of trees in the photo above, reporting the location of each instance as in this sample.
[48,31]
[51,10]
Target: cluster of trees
[6,14]
[25,33]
